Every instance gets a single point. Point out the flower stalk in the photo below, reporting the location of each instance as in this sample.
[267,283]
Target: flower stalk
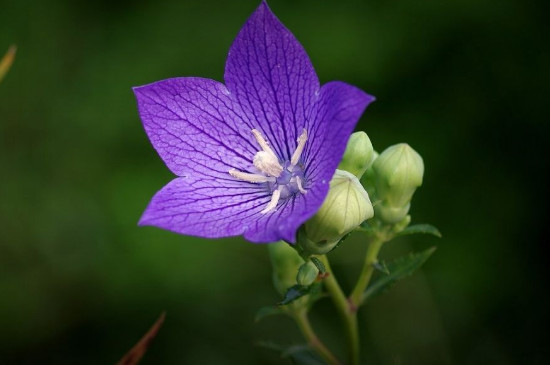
[371,259]
[345,310]
[302,320]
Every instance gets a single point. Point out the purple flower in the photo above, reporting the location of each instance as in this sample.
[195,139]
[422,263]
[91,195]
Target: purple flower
[253,157]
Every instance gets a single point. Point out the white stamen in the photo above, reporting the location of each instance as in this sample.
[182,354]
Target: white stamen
[298,152]
[274,200]
[263,143]
[253,178]
[267,163]
[299,184]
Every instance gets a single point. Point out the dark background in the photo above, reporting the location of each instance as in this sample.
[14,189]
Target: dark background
[462,81]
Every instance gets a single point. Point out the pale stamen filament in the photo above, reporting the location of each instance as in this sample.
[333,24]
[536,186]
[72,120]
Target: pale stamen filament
[253,178]
[267,162]
[263,143]
[274,200]
[299,149]
[299,185]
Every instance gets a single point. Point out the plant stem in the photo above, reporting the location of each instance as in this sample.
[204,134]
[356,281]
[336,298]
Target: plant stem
[368,268]
[305,326]
[345,311]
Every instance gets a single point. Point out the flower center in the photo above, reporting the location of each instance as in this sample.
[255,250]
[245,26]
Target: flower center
[282,180]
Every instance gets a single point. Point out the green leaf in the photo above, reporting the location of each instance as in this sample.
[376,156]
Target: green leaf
[302,355]
[419,229]
[382,267]
[297,291]
[319,264]
[398,269]
[298,354]
[267,311]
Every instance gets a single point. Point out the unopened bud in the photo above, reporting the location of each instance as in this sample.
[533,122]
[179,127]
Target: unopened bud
[307,273]
[359,154]
[346,206]
[398,171]
[285,261]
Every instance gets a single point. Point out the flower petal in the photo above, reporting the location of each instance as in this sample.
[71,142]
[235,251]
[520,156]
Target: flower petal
[195,126]
[214,209]
[270,75]
[332,120]
[206,207]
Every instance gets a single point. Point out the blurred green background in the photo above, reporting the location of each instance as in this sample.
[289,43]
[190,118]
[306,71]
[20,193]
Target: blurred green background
[462,81]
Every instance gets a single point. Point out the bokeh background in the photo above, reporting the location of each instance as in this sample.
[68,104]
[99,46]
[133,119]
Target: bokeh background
[462,81]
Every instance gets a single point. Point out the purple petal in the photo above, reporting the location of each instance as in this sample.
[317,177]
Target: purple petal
[201,129]
[270,75]
[212,208]
[333,117]
[332,120]
[206,207]
[195,126]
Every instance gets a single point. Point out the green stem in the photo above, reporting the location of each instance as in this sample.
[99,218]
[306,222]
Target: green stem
[368,268]
[305,326]
[345,311]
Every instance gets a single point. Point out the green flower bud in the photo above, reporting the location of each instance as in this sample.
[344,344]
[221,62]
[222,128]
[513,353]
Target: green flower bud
[398,171]
[307,273]
[346,206]
[359,154]
[285,261]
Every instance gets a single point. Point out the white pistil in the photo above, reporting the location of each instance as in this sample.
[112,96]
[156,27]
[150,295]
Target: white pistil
[274,200]
[253,178]
[298,152]
[299,185]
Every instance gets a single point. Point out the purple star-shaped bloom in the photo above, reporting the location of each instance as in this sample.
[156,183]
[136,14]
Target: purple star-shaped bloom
[253,157]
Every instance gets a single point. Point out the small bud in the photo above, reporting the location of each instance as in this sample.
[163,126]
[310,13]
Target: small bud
[346,206]
[398,171]
[359,154]
[307,273]
[285,261]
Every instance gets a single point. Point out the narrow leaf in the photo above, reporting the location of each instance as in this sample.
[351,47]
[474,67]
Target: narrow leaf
[270,345]
[268,311]
[398,269]
[299,354]
[136,353]
[382,267]
[419,229]
[297,291]
[302,355]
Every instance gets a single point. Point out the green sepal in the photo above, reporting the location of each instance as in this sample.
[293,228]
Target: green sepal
[419,229]
[398,269]
[267,311]
[297,291]
[319,264]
